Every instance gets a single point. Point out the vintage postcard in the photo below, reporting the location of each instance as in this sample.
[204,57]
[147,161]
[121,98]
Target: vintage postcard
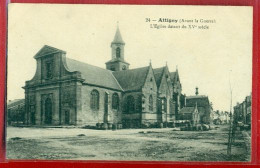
[129,82]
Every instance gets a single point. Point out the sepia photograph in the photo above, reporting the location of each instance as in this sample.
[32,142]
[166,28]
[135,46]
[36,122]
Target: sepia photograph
[129,82]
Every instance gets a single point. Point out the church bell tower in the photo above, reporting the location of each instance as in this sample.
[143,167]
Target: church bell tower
[117,63]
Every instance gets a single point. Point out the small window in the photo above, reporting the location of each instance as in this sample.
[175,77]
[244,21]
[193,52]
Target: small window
[115,101]
[112,68]
[94,102]
[48,70]
[151,79]
[118,50]
[164,104]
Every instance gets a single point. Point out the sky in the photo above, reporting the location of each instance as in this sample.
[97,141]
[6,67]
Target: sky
[211,59]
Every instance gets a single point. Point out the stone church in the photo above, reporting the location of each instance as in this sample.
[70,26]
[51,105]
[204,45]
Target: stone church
[64,91]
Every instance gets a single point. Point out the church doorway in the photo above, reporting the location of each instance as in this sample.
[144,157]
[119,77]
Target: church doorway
[32,110]
[67,117]
[33,118]
[48,111]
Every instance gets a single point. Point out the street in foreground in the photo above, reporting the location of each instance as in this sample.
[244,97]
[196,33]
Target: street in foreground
[131,144]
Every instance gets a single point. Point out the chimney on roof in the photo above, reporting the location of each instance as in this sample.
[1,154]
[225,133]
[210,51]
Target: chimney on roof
[197,91]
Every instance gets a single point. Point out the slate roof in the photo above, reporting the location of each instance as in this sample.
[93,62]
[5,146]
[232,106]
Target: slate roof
[197,97]
[14,103]
[132,79]
[158,73]
[94,75]
[187,110]
[117,60]
[201,100]
[118,37]
[126,80]
[173,76]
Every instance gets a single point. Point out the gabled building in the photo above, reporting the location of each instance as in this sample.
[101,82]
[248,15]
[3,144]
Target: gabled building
[203,105]
[69,92]
[165,103]
[190,114]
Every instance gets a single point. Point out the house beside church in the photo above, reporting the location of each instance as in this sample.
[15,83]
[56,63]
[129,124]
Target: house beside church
[15,112]
[190,114]
[64,91]
[203,105]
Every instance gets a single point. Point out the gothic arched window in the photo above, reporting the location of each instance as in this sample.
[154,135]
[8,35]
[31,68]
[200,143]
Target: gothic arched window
[151,103]
[115,101]
[139,103]
[118,51]
[130,104]
[164,104]
[94,101]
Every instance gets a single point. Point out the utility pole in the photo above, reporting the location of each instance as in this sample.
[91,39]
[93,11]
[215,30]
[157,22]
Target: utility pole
[231,133]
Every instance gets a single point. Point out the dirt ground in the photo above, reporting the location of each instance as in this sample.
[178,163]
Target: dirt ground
[132,144]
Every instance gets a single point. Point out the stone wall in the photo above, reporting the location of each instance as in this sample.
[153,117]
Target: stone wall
[35,100]
[59,87]
[132,119]
[149,89]
[88,116]
[70,98]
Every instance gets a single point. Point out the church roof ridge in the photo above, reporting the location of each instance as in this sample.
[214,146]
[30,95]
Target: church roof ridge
[89,73]
[158,69]
[132,79]
[116,60]
[88,64]
[128,70]
[199,96]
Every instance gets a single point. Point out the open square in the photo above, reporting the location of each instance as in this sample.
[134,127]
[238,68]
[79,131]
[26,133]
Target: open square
[126,144]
